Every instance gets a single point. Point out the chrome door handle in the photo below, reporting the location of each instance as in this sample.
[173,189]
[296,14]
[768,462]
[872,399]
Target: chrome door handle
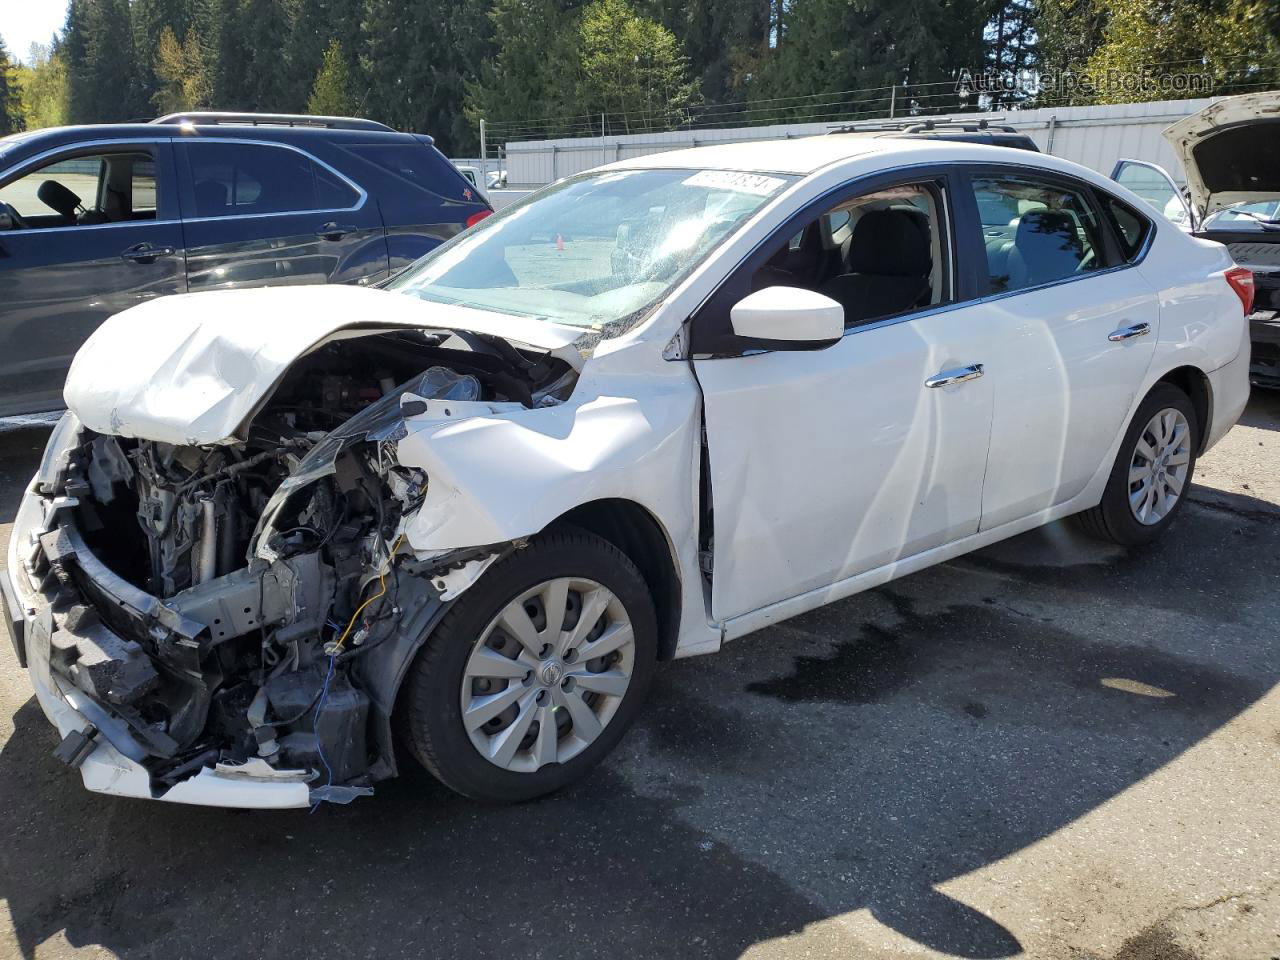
[146,253]
[956,375]
[1128,333]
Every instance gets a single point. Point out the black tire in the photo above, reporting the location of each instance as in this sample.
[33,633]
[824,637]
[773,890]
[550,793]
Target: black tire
[430,711]
[1113,519]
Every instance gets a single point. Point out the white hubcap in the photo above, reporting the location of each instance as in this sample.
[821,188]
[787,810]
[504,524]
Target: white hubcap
[1158,470]
[547,675]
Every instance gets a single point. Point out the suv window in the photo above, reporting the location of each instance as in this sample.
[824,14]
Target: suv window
[1035,232]
[242,179]
[879,254]
[85,190]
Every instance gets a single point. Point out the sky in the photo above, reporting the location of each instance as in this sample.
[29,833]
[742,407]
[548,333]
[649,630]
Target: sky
[24,22]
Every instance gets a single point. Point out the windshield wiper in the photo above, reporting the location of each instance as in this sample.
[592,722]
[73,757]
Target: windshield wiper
[1268,222]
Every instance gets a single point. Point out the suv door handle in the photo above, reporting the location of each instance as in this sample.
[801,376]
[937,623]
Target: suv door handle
[945,378]
[334,231]
[1128,333]
[146,253]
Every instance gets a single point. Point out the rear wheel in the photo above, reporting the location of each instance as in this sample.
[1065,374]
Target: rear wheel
[1153,470]
[535,673]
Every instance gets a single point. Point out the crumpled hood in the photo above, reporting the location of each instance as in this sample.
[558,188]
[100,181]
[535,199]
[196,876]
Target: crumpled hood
[189,369]
[1229,152]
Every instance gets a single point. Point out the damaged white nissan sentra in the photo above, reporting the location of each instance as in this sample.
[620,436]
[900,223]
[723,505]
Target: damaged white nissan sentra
[656,407]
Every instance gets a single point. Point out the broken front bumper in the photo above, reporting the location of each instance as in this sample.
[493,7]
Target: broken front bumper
[95,739]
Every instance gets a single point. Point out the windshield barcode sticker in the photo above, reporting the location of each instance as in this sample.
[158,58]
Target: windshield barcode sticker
[753,183]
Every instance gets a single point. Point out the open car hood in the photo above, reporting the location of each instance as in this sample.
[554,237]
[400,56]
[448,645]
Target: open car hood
[190,369]
[1230,151]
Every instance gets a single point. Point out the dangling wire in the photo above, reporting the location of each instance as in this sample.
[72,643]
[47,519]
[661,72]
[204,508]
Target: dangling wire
[382,592]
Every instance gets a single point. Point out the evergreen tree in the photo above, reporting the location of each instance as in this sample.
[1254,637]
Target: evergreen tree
[100,61]
[317,24]
[833,46]
[10,94]
[631,67]
[331,93]
[150,18]
[533,74]
[181,72]
[419,60]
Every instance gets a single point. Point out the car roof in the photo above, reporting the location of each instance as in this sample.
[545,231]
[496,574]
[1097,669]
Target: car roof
[807,155]
[53,137]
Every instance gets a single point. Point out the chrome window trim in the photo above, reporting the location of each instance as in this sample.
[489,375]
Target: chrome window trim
[25,166]
[10,234]
[362,194]
[944,166]
[977,301]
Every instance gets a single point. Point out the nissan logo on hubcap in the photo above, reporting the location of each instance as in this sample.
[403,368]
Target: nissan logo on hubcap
[552,673]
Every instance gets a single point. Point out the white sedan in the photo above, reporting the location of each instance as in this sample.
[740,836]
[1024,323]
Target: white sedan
[647,411]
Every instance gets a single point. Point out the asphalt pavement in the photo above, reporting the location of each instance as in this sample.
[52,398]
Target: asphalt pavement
[1050,748]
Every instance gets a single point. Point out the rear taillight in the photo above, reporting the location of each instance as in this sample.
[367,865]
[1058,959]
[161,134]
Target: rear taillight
[1241,281]
[481,214]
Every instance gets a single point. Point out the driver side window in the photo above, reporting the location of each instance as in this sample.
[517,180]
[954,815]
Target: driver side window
[85,190]
[1035,232]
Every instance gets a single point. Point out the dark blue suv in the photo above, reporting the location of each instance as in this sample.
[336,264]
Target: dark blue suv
[95,219]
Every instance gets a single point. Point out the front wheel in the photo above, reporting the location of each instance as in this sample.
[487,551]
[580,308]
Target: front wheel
[535,673]
[1152,474]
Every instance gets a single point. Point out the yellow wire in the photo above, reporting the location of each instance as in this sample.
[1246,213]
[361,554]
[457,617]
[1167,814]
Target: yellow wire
[382,592]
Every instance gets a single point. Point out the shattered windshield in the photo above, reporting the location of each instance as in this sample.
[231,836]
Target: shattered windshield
[595,252]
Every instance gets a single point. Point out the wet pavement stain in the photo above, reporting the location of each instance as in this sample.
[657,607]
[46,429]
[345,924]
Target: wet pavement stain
[990,645]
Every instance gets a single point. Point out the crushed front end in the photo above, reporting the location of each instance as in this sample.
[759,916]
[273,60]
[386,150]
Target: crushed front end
[227,623]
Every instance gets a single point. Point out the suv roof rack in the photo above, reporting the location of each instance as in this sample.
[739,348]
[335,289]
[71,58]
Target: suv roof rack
[274,120]
[914,125]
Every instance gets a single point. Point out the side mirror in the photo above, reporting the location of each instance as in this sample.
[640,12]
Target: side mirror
[788,318]
[6,221]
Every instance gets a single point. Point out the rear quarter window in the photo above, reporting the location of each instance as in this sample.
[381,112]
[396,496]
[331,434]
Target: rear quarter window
[1132,228]
[419,166]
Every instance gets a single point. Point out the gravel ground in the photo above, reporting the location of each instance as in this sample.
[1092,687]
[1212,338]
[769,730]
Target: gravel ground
[1048,748]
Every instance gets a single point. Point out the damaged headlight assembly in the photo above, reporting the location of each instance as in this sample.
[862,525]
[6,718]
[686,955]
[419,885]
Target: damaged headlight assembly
[244,609]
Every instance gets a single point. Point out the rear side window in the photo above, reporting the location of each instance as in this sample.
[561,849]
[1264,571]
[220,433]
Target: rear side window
[1132,228]
[1036,232]
[242,179]
[418,165]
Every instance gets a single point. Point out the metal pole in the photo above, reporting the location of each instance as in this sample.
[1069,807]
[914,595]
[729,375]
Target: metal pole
[484,157]
[893,99]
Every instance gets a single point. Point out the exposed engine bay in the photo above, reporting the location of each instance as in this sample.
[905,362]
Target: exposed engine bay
[247,605]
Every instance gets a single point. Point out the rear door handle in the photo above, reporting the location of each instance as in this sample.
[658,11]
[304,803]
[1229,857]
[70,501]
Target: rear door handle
[946,378]
[1128,333]
[334,231]
[146,253]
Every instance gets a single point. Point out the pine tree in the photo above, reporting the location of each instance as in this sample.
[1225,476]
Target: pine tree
[11,118]
[181,72]
[316,25]
[98,38]
[331,93]
[632,67]
[532,76]
[419,60]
